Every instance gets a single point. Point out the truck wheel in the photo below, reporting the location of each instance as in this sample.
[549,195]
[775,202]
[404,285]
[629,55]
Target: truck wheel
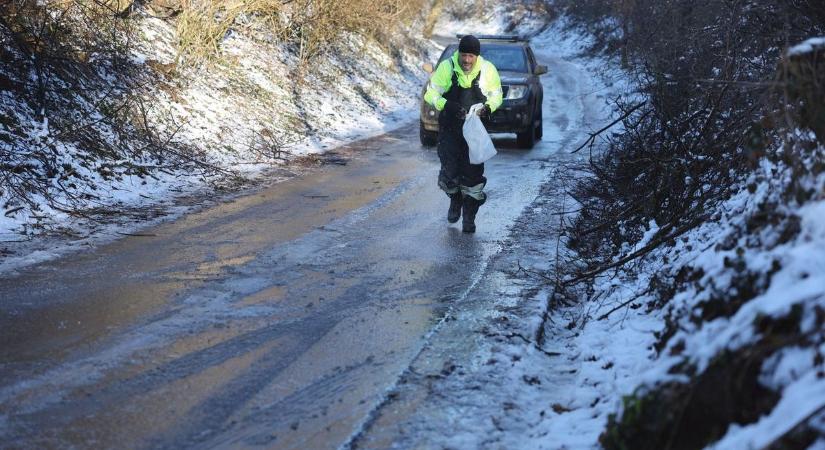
[428,138]
[527,139]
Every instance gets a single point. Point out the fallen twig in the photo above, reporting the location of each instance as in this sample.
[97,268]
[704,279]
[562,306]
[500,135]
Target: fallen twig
[526,340]
[593,136]
[622,305]
[13,210]
[532,272]
[642,251]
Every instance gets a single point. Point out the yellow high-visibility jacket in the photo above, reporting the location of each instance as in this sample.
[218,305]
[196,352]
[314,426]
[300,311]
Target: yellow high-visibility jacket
[442,78]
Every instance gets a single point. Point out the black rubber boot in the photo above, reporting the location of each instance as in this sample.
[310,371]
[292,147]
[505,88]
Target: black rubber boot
[455,208]
[470,209]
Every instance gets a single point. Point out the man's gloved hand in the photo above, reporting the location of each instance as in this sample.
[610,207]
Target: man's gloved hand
[484,112]
[455,109]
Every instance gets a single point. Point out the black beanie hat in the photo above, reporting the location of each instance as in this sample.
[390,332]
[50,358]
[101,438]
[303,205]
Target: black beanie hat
[469,44]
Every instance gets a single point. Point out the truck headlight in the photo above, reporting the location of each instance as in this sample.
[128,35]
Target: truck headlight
[516,91]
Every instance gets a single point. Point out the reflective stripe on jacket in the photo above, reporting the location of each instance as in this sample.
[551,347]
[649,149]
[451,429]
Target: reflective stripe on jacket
[441,81]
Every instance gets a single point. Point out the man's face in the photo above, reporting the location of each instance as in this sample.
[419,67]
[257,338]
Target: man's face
[467,60]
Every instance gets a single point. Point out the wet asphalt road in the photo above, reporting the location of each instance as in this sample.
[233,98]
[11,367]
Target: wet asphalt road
[276,320]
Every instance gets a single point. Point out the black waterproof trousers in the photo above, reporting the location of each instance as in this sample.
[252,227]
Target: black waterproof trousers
[457,175]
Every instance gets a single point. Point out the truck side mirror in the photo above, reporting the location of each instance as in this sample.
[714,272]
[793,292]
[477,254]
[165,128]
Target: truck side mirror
[541,70]
[427,67]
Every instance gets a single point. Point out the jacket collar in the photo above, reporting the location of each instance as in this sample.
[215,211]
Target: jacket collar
[473,72]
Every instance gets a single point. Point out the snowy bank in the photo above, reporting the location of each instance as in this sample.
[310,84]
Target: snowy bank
[244,117]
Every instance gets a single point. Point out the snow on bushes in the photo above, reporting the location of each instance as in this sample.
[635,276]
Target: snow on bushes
[739,363]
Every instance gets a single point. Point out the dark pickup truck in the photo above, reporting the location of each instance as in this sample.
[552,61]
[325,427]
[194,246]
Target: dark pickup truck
[520,112]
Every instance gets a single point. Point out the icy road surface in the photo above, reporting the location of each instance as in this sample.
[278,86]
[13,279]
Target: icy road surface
[280,319]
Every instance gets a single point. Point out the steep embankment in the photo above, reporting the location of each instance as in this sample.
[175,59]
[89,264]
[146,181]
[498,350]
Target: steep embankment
[738,363]
[700,245]
[111,120]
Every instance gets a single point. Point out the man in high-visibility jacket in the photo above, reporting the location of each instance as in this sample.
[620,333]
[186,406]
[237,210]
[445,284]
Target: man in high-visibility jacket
[457,83]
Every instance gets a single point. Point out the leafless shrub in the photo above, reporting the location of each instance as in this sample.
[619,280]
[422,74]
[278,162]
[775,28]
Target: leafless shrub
[68,40]
[272,145]
[75,96]
[799,96]
[463,10]
[802,77]
[707,69]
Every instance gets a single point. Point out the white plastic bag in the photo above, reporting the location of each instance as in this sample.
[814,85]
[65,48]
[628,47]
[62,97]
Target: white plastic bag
[481,146]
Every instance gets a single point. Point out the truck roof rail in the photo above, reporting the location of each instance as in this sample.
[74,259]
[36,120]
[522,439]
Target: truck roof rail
[497,37]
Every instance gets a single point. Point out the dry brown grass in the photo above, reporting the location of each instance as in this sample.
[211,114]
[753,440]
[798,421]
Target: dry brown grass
[311,27]
[203,24]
